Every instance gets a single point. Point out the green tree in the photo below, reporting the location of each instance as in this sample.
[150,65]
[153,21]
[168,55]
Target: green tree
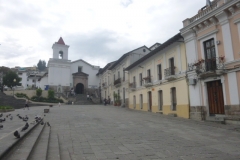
[41,65]
[8,79]
[39,92]
[51,94]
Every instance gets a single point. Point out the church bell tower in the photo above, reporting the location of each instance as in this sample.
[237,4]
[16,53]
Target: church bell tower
[60,50]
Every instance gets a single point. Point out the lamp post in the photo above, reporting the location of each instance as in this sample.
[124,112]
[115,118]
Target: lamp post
[14,85]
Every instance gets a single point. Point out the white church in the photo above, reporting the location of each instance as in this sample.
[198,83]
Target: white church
[63,74]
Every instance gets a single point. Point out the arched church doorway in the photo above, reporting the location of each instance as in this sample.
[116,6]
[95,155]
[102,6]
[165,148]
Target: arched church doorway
[79,88]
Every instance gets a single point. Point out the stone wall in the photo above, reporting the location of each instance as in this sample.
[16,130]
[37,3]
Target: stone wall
[198,112]
[29,93]
[232,110]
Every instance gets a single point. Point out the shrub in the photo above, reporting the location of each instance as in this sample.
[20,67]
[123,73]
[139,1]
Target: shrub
[22,95]
[39,92]
[50,94]
[6,107]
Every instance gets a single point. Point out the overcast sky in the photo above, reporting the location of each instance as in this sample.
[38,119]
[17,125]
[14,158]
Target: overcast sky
[97,31]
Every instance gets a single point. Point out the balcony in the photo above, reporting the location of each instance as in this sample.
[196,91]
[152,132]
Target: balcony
[117,83]
[147,82]
[132,86]
[104,85]
[208,67]
[169,73]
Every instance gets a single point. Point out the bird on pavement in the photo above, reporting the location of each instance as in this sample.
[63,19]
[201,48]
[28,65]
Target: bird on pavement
[16,134]
[1,126]
[1,115]
[48,124]
[11,118]
[42,123]
[25,127]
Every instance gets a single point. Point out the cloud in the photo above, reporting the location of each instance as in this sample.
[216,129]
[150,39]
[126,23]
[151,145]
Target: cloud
[97,31]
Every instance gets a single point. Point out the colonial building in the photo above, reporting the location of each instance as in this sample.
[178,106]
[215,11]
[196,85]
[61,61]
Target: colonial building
[212,40]
[114,80]
[105,76]
[157,81]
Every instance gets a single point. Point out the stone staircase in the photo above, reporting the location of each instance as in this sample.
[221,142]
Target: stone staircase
[6,100]
[37,144]
[81,99]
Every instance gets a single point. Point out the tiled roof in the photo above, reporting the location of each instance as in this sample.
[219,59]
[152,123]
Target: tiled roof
[60,41]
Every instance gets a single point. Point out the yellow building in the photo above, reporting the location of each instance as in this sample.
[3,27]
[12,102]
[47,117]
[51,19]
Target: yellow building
[157,82]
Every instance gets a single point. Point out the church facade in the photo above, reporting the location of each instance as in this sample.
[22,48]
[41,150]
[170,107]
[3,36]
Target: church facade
[62,74]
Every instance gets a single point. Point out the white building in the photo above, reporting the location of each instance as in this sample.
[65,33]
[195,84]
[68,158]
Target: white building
[62,74]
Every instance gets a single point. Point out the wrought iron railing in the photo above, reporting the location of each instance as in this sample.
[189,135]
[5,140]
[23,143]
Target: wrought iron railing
[118,81]
[216,63]
[132,85]
[147,79]
[169,71]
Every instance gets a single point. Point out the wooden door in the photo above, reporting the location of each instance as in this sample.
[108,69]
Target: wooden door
[150,100]
[215,97]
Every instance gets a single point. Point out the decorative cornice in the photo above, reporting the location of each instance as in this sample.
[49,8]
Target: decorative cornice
[213,20]
[232,10]
[209,33]
[209,15]
[206,23]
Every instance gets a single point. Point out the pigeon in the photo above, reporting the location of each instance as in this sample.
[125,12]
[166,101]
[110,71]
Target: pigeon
[48,124]
[11,118]
[25,127]
[20,117]
[1,115]
[2,120]
[17,114]
[42,123]
[1,126]
[16,134]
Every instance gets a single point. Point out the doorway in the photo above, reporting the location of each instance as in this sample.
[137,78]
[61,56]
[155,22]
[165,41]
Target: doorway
[79,88]
[215,97]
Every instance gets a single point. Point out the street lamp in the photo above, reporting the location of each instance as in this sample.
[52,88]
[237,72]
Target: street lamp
[13,86]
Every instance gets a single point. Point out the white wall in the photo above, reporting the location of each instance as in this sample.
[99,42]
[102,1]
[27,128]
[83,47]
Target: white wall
[43,82]
[93,79]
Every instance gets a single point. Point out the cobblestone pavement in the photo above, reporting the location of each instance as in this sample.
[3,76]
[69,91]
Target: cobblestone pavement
[108,132]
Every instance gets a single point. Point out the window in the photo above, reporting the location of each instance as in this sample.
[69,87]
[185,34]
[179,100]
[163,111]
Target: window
[159,68]
[171,66]
[118,74]
[149,75]
[141,101]
[134,102]
[79,69]
[60,54]
[174,98]
[134,81]
[140,79]
[210,55]
[160,100]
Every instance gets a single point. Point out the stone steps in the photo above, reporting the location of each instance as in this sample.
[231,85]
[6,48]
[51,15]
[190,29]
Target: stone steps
[53,148]
[23,149]
[40,149]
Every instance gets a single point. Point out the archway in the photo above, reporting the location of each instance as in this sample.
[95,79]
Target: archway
[79,88]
